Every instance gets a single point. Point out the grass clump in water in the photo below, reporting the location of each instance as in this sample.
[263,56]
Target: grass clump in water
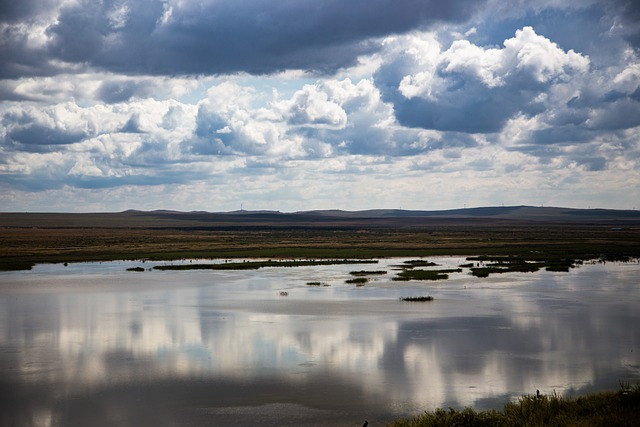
[367,273]
[506,264]
[138,269]
[599,409]
[357,281]
[254,265]
[425,274]
[417,299]
[417,263]
[316,284]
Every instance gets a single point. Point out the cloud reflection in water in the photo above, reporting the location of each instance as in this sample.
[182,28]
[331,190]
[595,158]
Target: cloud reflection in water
[159,347]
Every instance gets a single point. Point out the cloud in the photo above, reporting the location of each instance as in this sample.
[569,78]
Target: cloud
[25,9]
[468,88]
[312,107]
[626,21]
[442,103]
[119,91]
[215,37]
[33,129]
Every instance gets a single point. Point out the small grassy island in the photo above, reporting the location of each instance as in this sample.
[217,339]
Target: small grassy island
[357,281]
[254,265]
[513,263]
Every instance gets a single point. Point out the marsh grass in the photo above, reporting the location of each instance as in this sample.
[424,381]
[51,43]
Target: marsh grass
[599,409]
[357,281]
[137,269]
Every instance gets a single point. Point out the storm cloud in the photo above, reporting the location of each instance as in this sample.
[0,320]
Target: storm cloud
[156,37]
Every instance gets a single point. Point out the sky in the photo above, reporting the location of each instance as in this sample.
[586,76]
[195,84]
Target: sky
[291,105]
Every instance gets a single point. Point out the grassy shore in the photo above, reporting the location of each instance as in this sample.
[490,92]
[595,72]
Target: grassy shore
[620,408]
[22,247]
[27,239]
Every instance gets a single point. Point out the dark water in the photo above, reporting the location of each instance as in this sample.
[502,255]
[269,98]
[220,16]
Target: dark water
[92,344]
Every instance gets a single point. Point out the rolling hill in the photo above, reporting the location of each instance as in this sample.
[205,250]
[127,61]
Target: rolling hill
[493,215]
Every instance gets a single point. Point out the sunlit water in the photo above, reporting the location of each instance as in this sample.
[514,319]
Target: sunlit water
[93,344]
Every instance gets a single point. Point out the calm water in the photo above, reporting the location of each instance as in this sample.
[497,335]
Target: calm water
[93,344]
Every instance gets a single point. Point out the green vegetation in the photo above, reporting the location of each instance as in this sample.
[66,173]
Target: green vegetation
[138,269]
[514,263]
[317,284]
[254,265]
[417,263]
[413,274]
[599,409]
[367,273]
[417,299]
[16,265]
[357,280]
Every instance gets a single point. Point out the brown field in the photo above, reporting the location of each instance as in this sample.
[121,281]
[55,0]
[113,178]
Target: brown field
[26,239]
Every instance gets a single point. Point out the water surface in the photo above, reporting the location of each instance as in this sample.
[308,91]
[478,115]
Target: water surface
[93,344]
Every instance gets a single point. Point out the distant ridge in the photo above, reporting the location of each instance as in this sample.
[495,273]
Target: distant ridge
[512,212]
[334,218]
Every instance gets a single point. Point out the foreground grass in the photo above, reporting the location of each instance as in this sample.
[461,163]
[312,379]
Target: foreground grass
[594,410]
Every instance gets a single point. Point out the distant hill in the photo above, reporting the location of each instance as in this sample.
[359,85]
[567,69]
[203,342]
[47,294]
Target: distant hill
[492,215]
[516,213]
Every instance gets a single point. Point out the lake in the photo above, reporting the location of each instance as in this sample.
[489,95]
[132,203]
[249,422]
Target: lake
[94,344]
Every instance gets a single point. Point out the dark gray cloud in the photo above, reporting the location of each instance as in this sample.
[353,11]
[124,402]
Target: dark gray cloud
[24,131]
[621,114]
[18,59]
[256,36]
[561,135]
[471,110]
[626,17]
[38,134]
[120,91]
[13,11]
